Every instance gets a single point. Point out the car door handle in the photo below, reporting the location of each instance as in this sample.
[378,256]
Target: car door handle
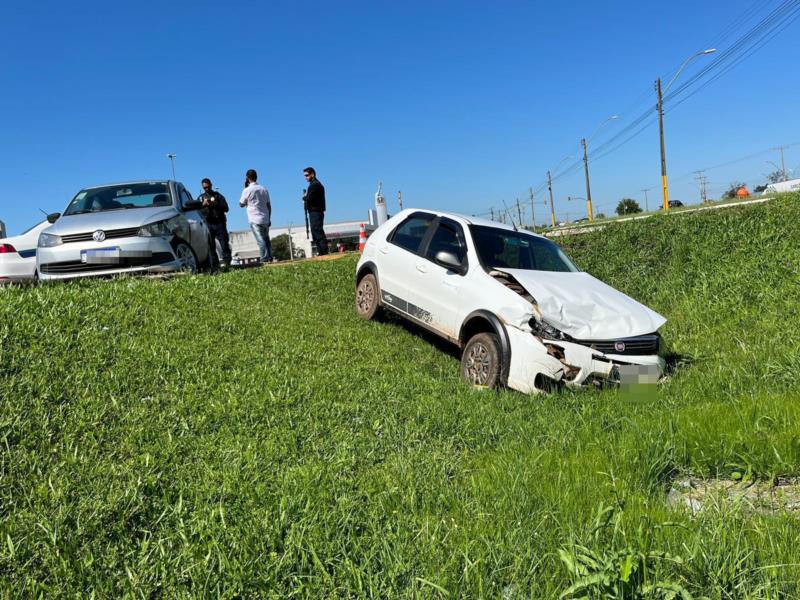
[422,268]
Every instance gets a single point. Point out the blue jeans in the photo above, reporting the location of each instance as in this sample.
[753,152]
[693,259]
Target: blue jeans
[261,233]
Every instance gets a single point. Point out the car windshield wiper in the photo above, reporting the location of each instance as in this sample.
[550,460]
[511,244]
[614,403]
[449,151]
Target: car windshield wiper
[81,211]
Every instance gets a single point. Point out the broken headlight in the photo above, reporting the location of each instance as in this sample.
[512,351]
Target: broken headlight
[544,329]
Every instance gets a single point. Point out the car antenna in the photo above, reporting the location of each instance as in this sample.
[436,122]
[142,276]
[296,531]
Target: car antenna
[44,213]
[514,225]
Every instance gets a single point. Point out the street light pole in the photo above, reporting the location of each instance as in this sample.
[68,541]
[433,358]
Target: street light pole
[171,158]
[660,109]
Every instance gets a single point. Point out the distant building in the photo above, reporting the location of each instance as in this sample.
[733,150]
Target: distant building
[343,234]
[2,230]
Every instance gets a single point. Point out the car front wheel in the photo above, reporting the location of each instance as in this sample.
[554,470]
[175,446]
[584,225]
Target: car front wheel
[481,360]
[187,257]
[367,297]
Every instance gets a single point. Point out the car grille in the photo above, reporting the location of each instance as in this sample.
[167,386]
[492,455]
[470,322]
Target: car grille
[634,346]
[110,235]
[76,266]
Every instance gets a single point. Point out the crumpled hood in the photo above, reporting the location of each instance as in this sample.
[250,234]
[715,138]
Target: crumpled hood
[586,308]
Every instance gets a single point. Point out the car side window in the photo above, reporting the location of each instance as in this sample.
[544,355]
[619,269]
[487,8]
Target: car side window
[449,238]
[410,233]
[186,198]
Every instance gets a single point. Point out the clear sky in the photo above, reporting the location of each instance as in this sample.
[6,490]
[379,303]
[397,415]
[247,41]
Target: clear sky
[461,105]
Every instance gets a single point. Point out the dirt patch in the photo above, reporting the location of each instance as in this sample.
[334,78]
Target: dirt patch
[766,497]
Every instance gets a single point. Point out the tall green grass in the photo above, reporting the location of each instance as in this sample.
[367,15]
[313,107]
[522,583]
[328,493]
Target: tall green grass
[246,435]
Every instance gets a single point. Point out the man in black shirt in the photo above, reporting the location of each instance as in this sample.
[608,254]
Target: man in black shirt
[315,205]
[214,208]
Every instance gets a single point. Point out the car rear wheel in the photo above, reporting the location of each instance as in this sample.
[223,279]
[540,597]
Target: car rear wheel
[187,257]
[367,297]
[481,360]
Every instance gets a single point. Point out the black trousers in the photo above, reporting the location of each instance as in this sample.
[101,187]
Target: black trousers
[220,241]
[315,219]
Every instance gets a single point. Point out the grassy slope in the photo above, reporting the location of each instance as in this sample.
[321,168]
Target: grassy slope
[246,434]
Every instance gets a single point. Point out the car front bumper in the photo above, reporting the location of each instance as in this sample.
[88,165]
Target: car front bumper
[138,255]
[536,364]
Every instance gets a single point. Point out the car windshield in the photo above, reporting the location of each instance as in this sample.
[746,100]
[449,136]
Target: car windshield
[503,249]
[119,197]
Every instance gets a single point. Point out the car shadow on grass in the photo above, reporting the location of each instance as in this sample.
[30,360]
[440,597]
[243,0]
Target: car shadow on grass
[677,362]
[437,342]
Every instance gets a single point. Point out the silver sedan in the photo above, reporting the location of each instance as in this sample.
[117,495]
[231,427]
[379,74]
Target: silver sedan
[141,226]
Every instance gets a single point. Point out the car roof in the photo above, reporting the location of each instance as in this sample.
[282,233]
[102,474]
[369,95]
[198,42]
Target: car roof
[470,220]
[94,187]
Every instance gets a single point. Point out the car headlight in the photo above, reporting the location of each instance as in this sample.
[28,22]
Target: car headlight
[544,329]
[157,229]
[48,240]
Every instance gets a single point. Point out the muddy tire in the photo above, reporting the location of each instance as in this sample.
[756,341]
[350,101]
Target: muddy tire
[481,361]
[367,297]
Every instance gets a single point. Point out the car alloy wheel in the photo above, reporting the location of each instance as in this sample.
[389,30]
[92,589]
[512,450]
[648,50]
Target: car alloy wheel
[186,257]
[480,361]
[367,297]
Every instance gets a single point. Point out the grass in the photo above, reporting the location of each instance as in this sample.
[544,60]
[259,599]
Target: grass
[246,435]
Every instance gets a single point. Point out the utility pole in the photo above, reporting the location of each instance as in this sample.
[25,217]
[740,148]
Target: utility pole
[491,210]
[519,213]
[400,199]
[660,108]
[783,165]
[701,181]
[552,207]
[586,170]
[646,208]
[533,210]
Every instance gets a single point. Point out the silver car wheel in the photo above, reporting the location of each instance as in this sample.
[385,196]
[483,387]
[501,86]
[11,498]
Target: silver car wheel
[478,364]
[186,257]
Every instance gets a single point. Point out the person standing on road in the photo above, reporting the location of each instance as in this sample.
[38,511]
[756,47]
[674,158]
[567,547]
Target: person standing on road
[259,213]
[314,200]
[214,208]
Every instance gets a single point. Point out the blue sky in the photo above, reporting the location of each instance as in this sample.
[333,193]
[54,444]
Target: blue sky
[461,105]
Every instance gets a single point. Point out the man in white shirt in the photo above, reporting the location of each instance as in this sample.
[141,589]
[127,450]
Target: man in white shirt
[259,213]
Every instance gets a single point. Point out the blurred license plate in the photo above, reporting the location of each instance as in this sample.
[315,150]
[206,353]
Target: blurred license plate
[101,255]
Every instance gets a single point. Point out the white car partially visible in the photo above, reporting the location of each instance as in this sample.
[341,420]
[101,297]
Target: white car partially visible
[18,255]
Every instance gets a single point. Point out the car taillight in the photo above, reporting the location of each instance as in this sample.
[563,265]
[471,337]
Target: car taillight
[7,249]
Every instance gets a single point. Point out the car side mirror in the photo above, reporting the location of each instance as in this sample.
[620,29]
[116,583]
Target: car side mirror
[193,205]
[53,217]
[449,260]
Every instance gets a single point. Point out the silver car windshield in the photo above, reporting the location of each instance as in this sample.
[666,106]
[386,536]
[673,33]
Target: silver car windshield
[503,249]
[119,197]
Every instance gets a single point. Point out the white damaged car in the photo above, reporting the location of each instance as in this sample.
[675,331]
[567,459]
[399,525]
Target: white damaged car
[523,315]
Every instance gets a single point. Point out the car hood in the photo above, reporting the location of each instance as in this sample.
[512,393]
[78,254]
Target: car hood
[111,219]
[586,308]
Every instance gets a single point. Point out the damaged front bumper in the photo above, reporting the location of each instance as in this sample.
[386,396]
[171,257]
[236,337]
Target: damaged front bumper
[539,364]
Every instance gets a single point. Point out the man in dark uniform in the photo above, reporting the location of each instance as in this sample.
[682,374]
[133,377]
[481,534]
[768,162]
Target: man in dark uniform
[315,205]
[214,208]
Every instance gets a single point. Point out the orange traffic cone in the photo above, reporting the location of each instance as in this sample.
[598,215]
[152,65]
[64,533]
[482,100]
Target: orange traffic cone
[362,237]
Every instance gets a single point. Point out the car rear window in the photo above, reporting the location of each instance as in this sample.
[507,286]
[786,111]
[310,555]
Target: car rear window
[410,232]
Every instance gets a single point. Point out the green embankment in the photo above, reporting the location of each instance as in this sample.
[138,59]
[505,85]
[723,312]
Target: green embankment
[246,435]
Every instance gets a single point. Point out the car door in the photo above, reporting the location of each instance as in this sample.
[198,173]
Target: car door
[396,257]
[197,225]
[434,288]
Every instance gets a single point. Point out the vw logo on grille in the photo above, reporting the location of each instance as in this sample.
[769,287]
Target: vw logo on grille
[99,235]
[619,346]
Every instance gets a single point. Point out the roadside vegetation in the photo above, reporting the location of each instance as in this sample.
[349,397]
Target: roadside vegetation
[246,435]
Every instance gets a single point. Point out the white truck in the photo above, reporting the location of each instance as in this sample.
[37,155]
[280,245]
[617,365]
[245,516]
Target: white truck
[791,185]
